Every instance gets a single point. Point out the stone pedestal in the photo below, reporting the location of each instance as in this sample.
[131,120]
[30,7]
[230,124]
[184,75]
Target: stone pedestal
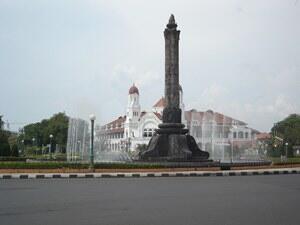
[172,143]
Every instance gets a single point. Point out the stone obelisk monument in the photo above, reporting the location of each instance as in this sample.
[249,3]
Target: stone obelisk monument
[171,141]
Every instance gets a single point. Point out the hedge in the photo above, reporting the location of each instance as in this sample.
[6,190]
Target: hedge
[294,160]
[61,165]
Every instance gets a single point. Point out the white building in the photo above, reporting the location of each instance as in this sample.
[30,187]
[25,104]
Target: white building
[213,131]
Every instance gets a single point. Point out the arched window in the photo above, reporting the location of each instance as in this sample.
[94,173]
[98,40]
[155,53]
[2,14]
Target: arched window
[149,129]
[150,132]
[234,134]
[241,134]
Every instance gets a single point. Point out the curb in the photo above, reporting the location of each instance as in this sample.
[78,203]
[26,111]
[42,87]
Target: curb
[154,174]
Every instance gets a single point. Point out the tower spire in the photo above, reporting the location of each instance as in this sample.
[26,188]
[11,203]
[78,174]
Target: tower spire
[172,24]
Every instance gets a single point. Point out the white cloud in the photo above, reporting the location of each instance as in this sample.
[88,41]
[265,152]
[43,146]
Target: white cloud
[129,73]
[239,57]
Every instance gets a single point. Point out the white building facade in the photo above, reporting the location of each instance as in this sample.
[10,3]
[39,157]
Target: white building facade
[213,131]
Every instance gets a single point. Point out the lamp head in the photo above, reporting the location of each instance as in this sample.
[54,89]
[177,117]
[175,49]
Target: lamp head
[92,117]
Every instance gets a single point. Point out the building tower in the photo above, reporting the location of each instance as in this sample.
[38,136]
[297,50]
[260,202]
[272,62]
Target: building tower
[133,112]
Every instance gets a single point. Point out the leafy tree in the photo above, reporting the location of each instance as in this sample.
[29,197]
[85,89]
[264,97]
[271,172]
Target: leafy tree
[57,125]
[4,145]
[1,122]
[289,131]
[15,151]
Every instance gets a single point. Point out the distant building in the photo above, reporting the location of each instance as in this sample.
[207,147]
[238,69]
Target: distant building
[263,142]
[213,131]
[296,150]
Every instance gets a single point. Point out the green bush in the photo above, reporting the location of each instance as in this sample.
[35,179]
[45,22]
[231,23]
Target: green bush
[40,165]
[12,158]
[4,149]
[60,165]
[294,160]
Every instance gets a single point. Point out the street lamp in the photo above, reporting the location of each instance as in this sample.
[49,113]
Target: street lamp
[92,118]
[231,155]
[33,139]
[51,137]
[286,154]
[23,145]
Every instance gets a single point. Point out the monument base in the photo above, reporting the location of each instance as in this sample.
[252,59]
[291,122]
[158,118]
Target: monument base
[172,143]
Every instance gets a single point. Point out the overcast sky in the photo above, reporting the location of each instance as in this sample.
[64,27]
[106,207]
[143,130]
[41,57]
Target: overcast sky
[240,58]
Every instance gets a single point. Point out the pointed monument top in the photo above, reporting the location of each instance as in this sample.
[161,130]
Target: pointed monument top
[172,19]
[172,24]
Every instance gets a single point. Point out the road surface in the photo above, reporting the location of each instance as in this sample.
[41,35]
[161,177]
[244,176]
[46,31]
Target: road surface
[272,199]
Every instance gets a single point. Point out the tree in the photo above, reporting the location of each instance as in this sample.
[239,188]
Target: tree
[57,125]
[1,122]
[4,145]
[287,130]
[15,151]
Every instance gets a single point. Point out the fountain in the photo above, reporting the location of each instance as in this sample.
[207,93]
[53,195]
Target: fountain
[78,145]
[214,134]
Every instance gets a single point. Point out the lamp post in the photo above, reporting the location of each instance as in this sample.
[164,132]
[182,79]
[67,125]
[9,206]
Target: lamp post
[92,118]
[231,155]
[50,149]
[33,139]
[23,145]
[286,153]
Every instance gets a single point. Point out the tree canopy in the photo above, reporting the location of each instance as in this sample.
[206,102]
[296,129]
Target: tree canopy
[57,125]
[1,122]
[4,144]
[288,130]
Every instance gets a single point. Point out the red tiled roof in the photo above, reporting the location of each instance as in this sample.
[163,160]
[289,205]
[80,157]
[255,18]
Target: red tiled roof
[262,136]
[160,103]
[117,123]
[210,115]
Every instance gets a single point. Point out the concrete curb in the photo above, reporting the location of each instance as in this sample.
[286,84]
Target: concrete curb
[149,174]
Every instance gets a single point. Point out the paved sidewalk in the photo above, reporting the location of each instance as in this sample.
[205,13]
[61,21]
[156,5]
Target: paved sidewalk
[153,174]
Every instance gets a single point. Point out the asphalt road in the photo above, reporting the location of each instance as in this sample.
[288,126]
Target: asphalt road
[273,199]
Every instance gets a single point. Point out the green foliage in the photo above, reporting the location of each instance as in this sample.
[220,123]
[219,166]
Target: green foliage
[57,125]
[14,151]
[289,130]
[61,165]
[12,159]
[4,145]
[277,161]
[1,123]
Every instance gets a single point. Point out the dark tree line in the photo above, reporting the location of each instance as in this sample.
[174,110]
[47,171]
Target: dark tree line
[38,134]
[287,130]
[5,148]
